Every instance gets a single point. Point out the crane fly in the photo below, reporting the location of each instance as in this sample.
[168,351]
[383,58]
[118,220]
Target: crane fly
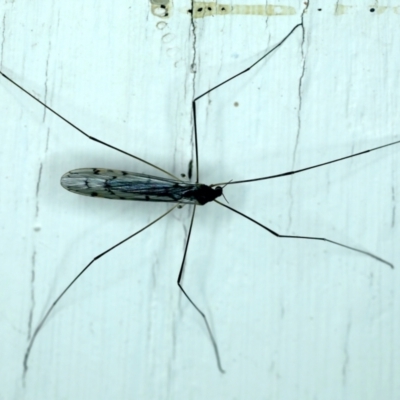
[124,185]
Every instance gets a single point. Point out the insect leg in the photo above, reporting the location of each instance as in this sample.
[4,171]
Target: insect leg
[180,276]
[307,168]
[43,320]
[179,282]
[84,133]
[367,253]
[223,83]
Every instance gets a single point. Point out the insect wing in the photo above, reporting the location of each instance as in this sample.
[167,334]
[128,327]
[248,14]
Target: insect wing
[122,185]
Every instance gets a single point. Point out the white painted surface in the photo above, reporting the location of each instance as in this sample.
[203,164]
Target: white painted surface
[293,319]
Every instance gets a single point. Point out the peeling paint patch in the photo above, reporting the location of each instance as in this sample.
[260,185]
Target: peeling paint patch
[210,9]
[342,9]
[203,9]
[161,8]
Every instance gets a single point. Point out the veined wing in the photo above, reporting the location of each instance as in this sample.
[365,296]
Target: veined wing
[122,185]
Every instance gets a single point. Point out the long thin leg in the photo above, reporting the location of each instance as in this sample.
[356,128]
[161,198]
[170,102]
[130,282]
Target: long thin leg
[367,253]
[223,83]
[179,282]
[307,168]
[196,145]
[41,323]
[84,133]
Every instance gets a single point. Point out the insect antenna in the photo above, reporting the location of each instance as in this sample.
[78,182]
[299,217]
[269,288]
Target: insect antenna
[223,186]
[61,295]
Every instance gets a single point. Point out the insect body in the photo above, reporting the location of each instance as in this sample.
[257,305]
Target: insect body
[122,185]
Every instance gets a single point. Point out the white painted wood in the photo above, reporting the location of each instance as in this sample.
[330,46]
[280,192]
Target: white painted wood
[293,319]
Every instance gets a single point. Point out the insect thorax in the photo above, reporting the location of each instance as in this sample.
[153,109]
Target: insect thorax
[204,194]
